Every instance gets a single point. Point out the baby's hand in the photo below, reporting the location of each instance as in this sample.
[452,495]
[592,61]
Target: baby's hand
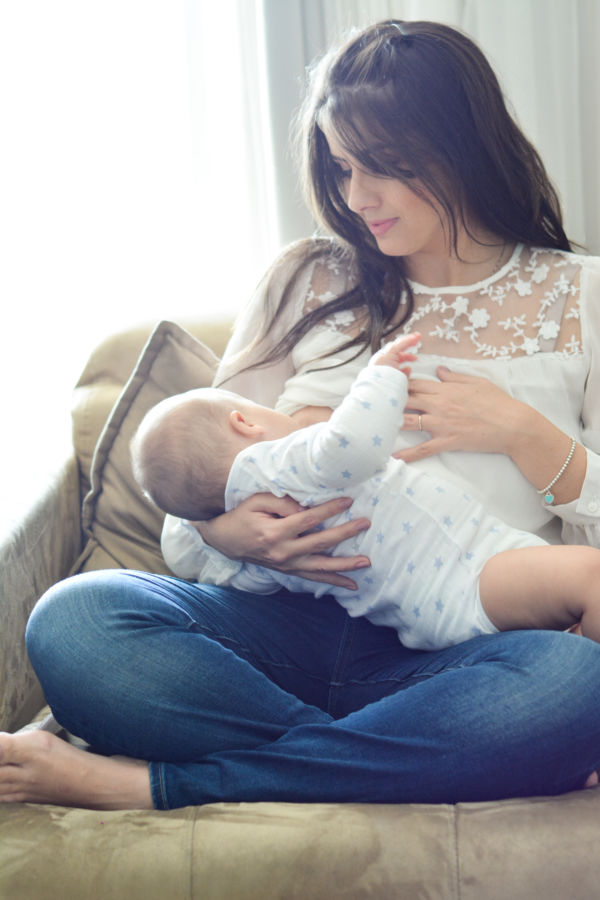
[394,353]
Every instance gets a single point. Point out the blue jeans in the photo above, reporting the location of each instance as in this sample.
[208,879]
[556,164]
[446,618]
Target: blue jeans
[236,697]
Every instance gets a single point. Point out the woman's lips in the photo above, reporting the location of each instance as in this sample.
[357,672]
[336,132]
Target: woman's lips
[381,226]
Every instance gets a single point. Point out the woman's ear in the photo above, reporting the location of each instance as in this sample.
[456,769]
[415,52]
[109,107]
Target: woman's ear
[243,426]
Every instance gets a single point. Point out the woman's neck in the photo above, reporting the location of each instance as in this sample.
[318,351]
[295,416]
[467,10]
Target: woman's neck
[478,257]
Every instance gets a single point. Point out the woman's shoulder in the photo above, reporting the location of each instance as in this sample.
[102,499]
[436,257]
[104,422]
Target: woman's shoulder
[308,273]
[555,270]
[575,259]
[314,254]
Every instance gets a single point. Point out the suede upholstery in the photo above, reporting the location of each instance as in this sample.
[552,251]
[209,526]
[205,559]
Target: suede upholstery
[518,849]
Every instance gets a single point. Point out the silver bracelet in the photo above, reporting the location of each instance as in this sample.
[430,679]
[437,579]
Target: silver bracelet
[548,495]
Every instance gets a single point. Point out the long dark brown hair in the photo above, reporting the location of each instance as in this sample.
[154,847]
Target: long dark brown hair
[414,101]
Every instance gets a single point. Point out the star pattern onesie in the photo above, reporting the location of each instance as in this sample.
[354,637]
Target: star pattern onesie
[428,539]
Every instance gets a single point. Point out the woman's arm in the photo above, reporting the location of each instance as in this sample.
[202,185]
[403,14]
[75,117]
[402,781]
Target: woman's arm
[310,415]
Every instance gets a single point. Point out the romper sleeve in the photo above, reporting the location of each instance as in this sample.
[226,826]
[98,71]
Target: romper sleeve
[189,557]
[357,441]
[581,517]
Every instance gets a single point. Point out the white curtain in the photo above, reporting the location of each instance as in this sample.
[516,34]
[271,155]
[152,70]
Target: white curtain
[544,51]
[127,188]
[99,226]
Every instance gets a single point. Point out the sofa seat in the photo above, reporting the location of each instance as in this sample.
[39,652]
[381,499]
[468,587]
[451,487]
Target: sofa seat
[533,849]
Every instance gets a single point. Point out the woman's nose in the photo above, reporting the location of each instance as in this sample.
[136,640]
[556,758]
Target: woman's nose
[361,193]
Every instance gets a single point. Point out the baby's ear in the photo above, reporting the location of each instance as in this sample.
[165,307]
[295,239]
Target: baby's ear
[243,426]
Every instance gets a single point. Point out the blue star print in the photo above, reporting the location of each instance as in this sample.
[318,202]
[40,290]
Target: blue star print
[439,562]
[344,442]
[376,440]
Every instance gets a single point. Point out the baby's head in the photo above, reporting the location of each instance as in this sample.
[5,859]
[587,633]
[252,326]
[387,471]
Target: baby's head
[184,447]
[179,453]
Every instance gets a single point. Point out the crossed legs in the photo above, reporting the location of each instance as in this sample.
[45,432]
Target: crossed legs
[222,696]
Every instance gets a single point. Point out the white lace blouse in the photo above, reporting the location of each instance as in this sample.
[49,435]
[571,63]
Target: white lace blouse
[533,328]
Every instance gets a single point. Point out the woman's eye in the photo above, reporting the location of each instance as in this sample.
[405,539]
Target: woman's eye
[340,173]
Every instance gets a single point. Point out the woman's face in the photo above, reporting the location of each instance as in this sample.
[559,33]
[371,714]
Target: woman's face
[402,222]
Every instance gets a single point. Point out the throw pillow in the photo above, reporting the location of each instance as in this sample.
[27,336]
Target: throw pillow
[121,526]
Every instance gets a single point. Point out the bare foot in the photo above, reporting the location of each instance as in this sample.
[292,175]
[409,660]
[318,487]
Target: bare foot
[592,780]
[38,767]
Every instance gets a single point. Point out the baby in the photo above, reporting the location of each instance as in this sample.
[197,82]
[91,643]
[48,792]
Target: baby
[442,569]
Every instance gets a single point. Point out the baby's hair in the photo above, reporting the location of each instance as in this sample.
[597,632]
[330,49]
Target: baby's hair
[178,453]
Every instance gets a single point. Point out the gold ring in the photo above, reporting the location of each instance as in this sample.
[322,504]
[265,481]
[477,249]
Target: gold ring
[420,422]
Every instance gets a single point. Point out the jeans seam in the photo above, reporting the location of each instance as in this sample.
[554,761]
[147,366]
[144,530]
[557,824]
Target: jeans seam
[345,643]
[157,783]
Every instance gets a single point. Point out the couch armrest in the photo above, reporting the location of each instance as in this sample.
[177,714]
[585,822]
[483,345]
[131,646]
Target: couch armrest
[40,539]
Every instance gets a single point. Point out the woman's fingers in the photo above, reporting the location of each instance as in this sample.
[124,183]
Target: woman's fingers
[279,533]
[292,542]
[328,569]
[269,503]
[423,450]
[307,519]
[325,577]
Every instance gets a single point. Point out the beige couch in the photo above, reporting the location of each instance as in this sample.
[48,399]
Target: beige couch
[517,849]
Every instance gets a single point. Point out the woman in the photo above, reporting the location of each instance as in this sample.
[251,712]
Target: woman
[445,222]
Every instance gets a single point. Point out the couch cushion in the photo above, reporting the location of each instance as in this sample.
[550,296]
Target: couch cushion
[121,527]
[107,372]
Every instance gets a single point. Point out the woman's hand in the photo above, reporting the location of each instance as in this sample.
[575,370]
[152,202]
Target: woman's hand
[277,532]
[464,412]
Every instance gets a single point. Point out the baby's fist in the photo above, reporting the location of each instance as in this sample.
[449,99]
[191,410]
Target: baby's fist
[395,353]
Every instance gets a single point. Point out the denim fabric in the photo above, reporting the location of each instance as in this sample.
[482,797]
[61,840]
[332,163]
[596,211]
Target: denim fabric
[237,697]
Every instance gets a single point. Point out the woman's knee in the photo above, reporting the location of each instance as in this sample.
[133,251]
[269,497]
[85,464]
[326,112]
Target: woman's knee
[559,673]
[73,613]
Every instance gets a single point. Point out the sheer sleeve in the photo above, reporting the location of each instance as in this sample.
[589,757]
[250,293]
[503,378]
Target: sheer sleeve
[189,557]
[581,517]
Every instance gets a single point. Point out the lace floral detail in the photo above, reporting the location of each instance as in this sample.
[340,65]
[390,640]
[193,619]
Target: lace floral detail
[329,280]
[530,306]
